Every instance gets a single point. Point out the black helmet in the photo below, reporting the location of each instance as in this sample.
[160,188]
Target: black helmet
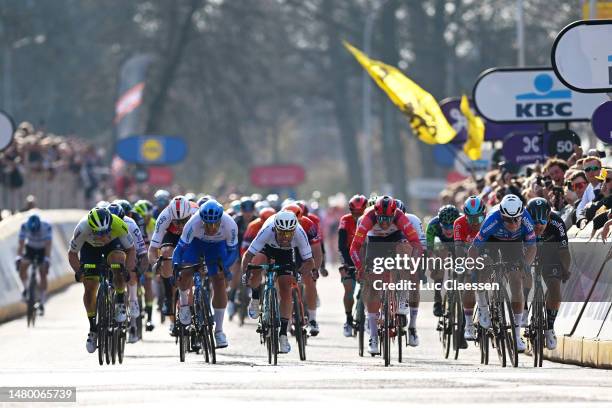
[539,209]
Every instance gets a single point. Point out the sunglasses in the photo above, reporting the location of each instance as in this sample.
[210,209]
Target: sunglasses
[475,219]
[384,218]
[592,168]
[180,222]
[212,226]
[285,234]
[447,226]
[512,220]
[579,185]
[101,233]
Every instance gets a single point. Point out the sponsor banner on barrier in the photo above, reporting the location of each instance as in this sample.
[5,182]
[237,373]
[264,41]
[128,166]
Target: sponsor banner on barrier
[530,95]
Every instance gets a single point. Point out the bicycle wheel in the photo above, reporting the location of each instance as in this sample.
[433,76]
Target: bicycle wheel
[182,342]
[497,322]
[359,323]
[209,326]
[444,326]
[298,323]
[32,298]
[273,325]
[483,342]
[101,322]
[400,321]
[538,325]
[386,335]
[243,304]
[457,322]
[121,335]
[201,322]
[508,325]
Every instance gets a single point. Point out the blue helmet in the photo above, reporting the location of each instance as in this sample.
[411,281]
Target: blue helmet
[33,223]
[400,205]
[211,212]
[117,209]
[473,206]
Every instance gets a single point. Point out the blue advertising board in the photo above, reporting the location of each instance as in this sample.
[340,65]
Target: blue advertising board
[152,149]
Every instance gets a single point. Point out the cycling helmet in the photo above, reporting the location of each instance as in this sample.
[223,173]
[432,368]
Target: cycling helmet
[33,223]
[162,198]
[294,208]
[260,205]
[372,200]
[539,209]
[204,199]
[99,220]
[211,212]
[256,197]
[285,221]
[511,206]
[385,206]
[125,204]
[102,204]
[358,203]
[117,210]
[266,213]
[235,206]
[247,205]
[180,208]
[304,206]
[473,206]
[191,197]
[143,207]
[400,205]
[448,214]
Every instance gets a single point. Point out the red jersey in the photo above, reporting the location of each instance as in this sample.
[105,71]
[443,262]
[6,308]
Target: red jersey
[349,224]
[463,231]
[315,218]
[368,222]
[250,234]
[311,230]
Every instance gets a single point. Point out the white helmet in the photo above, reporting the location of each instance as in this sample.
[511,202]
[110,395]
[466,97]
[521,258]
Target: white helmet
[102,204]
[511,206]
[285,221]
[180,208]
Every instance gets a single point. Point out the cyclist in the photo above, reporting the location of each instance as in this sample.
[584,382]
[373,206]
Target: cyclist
[213,235]
[310,282]
[317,221]
[507,225]
[384,223]
[101,237]
[280,234]
[414,296]
[554,259]
[242,219]
[346,232]
[141,264]
[465,229]
[128,210]
[145,209]
[161,199]
[35,239]
[441,227]
[168,230]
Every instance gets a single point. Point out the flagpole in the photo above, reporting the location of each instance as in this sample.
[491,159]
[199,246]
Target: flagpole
[367,107]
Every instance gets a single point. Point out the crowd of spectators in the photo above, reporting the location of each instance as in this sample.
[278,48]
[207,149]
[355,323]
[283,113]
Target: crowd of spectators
[36,153]
[579,189]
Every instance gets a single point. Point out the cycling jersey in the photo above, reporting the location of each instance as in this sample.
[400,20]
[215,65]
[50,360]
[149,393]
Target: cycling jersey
[317,221]
[369,227]
[418,227]
[134,231]
[346,233]
[311,229]
[140,222]
[462,230]
[553,239]
[222,247]
[164,224]
[38,239]
[267,237]
[83,234]
[494,229]
[434,229]
[242,225]
[250,234]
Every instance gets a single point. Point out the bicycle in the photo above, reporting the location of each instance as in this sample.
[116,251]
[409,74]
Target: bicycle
[33,306]
[204,319]
[451,323]
[391,327]
[269,318]
[242,299]
[161,295]
[299,317]
[502,318]
[111,336]
[359,317]
[537,324]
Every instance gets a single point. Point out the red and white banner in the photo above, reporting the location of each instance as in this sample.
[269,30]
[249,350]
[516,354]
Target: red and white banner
[129,101]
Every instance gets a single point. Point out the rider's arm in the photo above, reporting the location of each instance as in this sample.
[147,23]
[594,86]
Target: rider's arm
[161,225]
[361,234]
[73,260]
[231,240]
[410,233]
[343,246]
[307,265]
[458,235]
[22,237]
[246,260]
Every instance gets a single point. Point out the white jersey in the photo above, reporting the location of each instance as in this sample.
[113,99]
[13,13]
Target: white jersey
[267,236]
[163,224]
[38,239]
[136,234]
[228,231]
[83,234]
[418,227]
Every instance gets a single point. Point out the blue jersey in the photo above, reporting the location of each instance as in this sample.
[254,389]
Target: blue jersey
[494,227]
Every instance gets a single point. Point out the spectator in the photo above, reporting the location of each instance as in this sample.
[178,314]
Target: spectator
[592,168]
[555,169]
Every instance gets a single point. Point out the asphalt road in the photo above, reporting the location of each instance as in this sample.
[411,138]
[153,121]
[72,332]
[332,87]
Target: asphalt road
[53,354]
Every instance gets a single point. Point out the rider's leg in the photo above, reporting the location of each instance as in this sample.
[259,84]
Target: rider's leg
[553,300]
[310,296]
[43,271]
[118,257]
[24,265]
[219,300]
[284,291]
[348,300]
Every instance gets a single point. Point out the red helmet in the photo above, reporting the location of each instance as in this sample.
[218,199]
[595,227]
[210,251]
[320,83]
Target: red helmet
[358,203]
[294,208]
[266,213]
[385,206]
